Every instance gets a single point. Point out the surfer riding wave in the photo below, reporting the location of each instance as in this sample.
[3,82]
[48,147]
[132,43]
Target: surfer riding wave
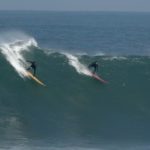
[33,66]
[93,65]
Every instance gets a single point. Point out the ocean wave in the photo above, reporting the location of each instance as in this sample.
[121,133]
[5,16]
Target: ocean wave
[12,46]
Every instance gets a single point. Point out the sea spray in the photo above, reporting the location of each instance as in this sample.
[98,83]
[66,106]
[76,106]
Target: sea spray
[12,47]
[80,68]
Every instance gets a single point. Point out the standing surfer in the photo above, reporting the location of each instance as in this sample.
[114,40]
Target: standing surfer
[32,66]
[94,65]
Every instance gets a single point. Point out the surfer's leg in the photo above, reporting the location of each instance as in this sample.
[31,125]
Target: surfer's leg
[34,69]
[29,68]
[94,70]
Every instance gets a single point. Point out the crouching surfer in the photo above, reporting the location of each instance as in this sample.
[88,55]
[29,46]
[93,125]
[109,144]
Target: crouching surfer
[33,66]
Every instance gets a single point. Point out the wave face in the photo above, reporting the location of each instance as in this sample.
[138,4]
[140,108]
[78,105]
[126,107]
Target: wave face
[75,111]
[74,108]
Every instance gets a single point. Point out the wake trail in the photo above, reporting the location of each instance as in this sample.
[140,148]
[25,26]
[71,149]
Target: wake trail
[79,67]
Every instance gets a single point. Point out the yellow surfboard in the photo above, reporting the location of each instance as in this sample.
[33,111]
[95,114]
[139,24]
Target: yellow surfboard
[29,74]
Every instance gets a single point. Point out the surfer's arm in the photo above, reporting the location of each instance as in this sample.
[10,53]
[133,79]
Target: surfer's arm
[29,61]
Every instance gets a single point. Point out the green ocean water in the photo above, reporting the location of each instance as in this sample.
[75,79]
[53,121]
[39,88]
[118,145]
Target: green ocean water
[74,111]
[74,108]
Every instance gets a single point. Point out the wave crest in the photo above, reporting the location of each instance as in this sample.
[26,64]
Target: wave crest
[13,46]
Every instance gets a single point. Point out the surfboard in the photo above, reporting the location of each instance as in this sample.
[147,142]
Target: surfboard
[95,76]
[29,74]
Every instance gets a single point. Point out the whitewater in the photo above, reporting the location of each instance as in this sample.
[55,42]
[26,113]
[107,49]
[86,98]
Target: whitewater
[12,48]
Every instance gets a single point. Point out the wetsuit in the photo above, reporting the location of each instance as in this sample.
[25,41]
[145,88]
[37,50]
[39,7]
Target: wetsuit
[33,66]
[94,65]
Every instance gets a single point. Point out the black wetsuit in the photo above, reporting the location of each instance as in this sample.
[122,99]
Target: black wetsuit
[33,66]
[94,65]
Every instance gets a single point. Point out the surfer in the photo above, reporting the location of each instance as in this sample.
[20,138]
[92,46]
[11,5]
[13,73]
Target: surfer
[94,65]
[32,66]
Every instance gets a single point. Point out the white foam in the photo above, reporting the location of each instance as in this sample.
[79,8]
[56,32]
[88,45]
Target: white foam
[12,46]
[111,58]
[80,68]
